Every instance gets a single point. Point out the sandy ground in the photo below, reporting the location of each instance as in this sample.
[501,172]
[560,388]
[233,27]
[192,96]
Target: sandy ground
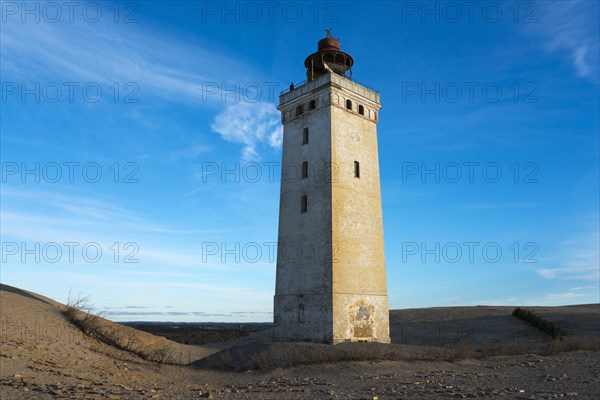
[44,356]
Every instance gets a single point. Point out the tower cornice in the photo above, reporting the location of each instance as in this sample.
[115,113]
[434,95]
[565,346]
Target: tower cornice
[330,79]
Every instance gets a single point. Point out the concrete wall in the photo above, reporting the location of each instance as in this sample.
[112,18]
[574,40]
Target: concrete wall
[303,267]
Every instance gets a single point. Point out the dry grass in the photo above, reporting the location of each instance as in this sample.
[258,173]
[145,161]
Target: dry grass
[572,344]
[82,314]
[268,356]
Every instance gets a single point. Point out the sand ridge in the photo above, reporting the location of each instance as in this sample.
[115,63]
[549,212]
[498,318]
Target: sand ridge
[44,356]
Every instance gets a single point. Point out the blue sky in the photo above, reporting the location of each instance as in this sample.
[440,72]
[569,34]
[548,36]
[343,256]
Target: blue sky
[141,149]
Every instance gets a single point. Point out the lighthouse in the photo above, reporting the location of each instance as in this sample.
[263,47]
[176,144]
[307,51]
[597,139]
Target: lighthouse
[331,279]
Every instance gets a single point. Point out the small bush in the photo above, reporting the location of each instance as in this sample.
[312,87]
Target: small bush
[539,322]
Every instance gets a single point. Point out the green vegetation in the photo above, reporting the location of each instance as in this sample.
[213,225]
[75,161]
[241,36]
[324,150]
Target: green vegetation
[539,323]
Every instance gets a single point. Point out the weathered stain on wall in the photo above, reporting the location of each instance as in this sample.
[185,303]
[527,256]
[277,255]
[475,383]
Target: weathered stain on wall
[361,317]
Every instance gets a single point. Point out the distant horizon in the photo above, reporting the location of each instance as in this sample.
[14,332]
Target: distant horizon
[391,310]
[109,316]
[183,321]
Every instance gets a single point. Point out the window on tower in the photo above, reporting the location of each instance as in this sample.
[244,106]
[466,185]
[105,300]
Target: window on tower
[304,169]
[299,110]
[304,205]
[349,104]
[361,110]
[312,105]
[305,136]
[356,169]
[301,318]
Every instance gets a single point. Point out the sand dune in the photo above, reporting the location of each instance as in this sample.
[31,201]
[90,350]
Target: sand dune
[43,355]
[481,324]
[38,344]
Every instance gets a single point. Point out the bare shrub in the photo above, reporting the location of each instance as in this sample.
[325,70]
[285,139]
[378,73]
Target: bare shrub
[162,355]
[82,314]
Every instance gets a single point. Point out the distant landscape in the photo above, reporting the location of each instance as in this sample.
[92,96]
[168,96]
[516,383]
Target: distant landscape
[448,352]
[198,333]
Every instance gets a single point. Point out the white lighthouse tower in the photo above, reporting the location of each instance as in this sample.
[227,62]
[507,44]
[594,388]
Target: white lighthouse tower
[331,280]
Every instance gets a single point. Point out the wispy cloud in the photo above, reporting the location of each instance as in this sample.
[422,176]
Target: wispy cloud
[76,212]
[575,289]
[162,66]
[582,272]
[490,206]
[251,125]
[581,257]
[571,27]
[583,293]
[57,218]
[106,53]
[563,295]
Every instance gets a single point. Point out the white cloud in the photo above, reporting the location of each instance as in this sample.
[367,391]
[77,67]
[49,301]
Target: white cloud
[251,125]
[159,65]
[564,295]
[489,206]
[60,217]
[572,27]
[575,289]
[581,255]
[569,294]
[582,272]
[106,53]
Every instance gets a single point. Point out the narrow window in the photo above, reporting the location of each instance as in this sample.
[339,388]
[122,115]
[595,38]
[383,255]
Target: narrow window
[349,104]
[304,204]
[304,169]
[305,136]
[361,110]
[356,169]
[301,318]
[299,110]
[312,105]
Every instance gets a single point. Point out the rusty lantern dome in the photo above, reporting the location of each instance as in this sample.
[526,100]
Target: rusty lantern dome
[328,58]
